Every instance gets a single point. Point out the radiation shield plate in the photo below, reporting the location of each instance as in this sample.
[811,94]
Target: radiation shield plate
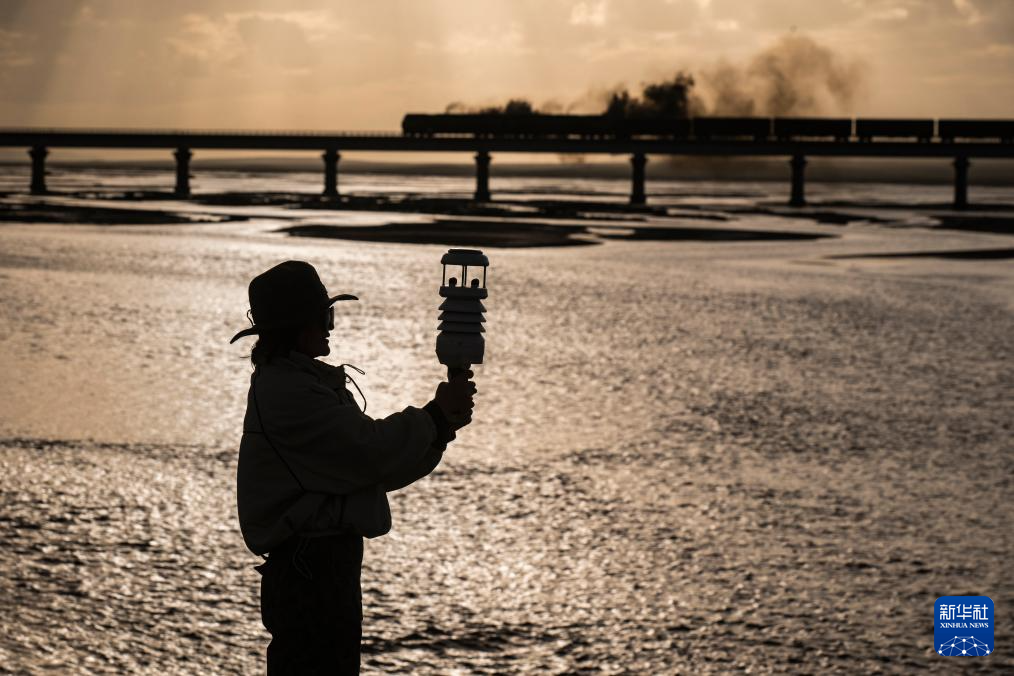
[461,327]
[465,317]
[462,305]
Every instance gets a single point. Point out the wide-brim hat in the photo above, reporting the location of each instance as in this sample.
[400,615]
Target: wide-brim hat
[288,295]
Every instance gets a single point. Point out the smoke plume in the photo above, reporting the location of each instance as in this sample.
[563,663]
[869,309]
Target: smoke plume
[512,107]
[668,98]
[794,76]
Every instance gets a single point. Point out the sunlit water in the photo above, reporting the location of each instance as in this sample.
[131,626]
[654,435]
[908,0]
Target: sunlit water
[686,456]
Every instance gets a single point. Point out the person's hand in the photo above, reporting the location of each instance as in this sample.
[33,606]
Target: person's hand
[455,399]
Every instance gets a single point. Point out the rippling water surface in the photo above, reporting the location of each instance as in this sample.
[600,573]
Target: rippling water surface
[687,456]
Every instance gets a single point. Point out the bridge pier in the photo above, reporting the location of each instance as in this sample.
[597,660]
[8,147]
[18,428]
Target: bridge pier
[38,155]
[961,165]
[183,156]
[482,161]
[637,195]
[331,157]
[798,197]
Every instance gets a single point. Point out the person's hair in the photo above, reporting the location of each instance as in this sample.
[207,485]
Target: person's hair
[273,343]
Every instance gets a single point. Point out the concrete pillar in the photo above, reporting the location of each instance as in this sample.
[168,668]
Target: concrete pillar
[798,164]
[38,155]
[183,156]
[961,165]
[482,160]
[637,163]
[331,157]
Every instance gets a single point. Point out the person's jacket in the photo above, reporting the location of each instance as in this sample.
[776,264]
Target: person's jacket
[341,463]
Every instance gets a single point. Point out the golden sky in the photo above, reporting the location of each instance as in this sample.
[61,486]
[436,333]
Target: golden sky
[361,64]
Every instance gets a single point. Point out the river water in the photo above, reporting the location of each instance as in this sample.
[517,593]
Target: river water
[687,456]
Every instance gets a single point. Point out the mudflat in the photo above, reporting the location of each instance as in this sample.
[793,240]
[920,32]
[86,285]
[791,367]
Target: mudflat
[696,456]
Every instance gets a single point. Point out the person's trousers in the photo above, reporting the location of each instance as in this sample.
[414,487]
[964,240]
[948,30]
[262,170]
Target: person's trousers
[311,603]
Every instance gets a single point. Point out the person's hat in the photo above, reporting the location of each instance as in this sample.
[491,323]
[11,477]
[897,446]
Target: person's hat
[289,294]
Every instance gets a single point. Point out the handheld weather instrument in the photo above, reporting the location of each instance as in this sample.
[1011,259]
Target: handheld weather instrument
[460,343]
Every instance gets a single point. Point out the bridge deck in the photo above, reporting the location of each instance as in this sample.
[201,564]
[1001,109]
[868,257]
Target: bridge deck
[395,142]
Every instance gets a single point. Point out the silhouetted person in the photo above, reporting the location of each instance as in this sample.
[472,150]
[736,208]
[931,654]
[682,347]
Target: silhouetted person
[315,470]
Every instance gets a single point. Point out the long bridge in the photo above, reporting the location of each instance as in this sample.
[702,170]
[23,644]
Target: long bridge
[331,145]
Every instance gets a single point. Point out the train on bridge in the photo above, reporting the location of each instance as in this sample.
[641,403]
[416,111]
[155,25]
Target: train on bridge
[705,129]
[793,137]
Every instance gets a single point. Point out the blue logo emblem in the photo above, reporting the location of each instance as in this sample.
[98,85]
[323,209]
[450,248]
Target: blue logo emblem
[963,626]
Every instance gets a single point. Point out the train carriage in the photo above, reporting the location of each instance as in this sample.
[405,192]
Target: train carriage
[789,128]
[894,128]
[675,128]
[566,126]
[732,128]
[483,125]
[977,130]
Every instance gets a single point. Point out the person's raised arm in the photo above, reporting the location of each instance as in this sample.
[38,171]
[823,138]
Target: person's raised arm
[453,400]
[342,449]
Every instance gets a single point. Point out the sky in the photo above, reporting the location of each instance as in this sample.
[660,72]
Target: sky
[360,65]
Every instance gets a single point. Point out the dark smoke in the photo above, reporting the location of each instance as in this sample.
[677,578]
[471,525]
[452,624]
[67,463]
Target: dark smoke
[794,76]
[669,98]
[512,107]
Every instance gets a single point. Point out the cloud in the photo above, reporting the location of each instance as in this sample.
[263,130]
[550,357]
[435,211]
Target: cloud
[13,50]
[589,13]
[998,51]
[204,39]
[968,10]
[276,41]
[890,14]
[509,41]
[315,25]
[291,39]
